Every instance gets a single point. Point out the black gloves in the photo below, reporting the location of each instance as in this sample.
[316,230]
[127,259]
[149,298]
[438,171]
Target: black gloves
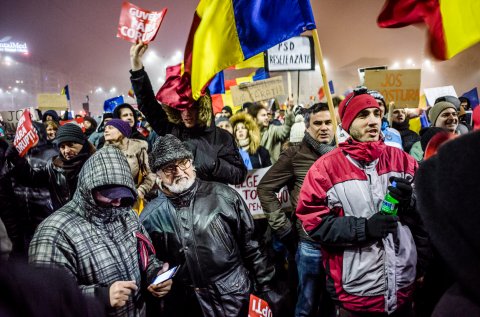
[379,225]
[12,155]
[402,192]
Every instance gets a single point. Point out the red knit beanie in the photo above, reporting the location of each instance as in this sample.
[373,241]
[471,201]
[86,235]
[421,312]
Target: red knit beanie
[352,105]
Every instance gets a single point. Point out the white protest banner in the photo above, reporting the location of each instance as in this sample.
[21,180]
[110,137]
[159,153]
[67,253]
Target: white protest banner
[11,117]
[52,102]
[258,90]
[401,86]
[26,136]
[139,24]
[248,191]
[296,53]
[433,93]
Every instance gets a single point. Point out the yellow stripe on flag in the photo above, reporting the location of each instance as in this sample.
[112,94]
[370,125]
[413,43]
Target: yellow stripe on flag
[461,24]
[210,53]
[257,61]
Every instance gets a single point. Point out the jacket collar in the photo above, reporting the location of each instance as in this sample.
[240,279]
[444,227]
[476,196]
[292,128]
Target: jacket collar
[363,151]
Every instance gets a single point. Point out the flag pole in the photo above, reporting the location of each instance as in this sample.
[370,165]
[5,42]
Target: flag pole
[326,87]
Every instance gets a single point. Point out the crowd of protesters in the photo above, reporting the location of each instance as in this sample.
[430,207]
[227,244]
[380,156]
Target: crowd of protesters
[116,203]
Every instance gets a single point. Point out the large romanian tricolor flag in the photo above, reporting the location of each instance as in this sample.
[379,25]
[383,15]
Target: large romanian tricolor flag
[227,32]
[453,25]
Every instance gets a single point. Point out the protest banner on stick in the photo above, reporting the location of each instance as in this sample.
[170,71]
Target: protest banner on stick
[26,137]
[139,24]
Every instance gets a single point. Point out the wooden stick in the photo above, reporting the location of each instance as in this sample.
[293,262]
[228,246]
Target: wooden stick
[326,87]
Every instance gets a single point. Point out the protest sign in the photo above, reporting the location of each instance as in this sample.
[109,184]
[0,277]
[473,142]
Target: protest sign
[77,121]
[258,307]
[257,90]
[25,136]
[248,191]
[52,102]
[361,72]
[295,53]
[139,24]
[10,119]
[433,93]
[401,86]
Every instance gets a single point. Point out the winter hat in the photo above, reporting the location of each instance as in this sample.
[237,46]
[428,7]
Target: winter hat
[121,126]
[437,109]
[220,119]
[297,132]
[117,191]
[378,96]
[451,99]
[166,150]
[353,104]
[69,132]
[228,109]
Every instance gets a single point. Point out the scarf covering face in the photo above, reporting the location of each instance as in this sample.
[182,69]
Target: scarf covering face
[319,148]
[363,151]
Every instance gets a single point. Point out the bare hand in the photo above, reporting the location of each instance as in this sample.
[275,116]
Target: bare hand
[136,55]
[161,289]
[120,291]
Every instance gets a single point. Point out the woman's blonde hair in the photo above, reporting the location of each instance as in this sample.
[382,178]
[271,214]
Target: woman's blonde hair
[251,126]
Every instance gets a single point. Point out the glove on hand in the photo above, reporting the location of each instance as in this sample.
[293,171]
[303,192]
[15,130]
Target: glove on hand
[12,155]
[402,192]
[379,226]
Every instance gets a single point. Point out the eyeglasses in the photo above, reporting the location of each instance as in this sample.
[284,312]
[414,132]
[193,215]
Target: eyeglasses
[172,168]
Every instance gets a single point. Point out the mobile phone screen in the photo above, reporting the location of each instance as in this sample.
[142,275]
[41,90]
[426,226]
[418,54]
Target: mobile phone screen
[165,275]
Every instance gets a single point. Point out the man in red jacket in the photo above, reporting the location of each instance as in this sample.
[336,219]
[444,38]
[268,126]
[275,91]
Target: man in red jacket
[370,258]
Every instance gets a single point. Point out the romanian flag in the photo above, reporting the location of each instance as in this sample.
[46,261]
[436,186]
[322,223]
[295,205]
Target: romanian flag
[227,32]
[453,25]
[65,92]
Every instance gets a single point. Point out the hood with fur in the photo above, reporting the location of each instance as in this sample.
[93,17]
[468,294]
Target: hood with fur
[252,127]
[205,112]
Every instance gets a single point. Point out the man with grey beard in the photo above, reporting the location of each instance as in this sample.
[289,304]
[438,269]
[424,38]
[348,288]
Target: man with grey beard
[204,228]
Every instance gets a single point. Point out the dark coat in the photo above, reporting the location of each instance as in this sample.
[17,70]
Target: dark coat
[409,137]
[210,234]
[216,157]
[261,158]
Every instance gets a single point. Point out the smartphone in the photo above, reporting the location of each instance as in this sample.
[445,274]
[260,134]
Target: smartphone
[166,275]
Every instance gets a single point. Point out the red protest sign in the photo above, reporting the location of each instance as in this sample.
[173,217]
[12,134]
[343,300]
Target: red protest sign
[26,136]
[77,121]
[258,307]
[139,24]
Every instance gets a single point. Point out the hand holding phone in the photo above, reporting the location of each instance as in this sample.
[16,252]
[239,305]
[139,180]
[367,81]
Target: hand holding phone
[166,275]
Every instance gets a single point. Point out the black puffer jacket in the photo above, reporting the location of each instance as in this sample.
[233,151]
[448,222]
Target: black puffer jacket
[216,157]
[409,137]
[209,232]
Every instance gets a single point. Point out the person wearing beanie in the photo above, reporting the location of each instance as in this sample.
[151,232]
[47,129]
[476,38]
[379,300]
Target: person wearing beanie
[444,115]
[297,131]
[206,227]
[227,112]
[90,125]
[117,133]
[304,254]
[452,225]
[223,123]
[339,207]
[99,241]
[95,137]
[173,111]
[247,136]
[50,115]
[60,174]
[128,114]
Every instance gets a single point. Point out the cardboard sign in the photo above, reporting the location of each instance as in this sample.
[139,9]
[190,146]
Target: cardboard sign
[295,53]
[52,102]
[139,24]
[77,121]
[26,136]
[11,117]
[248,191]
[258,307]
[401,86]
[433,93]
[258,90]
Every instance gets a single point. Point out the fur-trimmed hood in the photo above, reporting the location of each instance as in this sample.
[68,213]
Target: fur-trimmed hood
[252,127]
[205,112]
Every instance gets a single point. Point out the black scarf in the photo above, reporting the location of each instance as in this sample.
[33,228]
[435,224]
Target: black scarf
[403,126]
[73,166]
[184,199]
[319,148]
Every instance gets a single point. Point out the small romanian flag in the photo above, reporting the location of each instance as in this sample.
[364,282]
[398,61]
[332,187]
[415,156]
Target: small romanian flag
[65,92]
[452,24]
[131,94]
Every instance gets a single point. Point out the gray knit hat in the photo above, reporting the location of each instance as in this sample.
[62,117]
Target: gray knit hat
[70,132]
[437,109]
[166,150]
